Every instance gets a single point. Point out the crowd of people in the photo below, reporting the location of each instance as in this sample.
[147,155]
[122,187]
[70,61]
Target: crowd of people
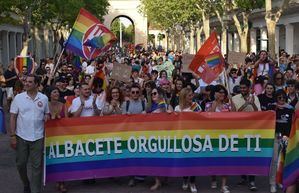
[158,84]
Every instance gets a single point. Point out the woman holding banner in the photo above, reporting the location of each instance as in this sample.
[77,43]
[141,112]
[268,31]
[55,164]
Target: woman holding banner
[157,104]
[178,85]
[220,103]
[57,110]
[186,104]
[114,101]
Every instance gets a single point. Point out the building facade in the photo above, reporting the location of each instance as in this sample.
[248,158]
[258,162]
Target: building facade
[41,44]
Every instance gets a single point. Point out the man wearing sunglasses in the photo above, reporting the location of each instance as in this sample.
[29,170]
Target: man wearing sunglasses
[135,105]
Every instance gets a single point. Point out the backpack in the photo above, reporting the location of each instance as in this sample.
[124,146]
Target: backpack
[128,105]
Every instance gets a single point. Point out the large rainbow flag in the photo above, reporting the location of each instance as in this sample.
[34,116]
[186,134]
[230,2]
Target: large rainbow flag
[22,62]
[185,144]
[291,163]
[89,38]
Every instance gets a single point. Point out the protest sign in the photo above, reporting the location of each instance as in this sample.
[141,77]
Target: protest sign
[184,144]
[121,72]
[236,58]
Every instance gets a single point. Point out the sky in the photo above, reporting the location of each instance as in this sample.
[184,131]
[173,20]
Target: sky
[125,21]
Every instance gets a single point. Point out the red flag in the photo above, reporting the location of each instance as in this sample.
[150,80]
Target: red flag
[208,63]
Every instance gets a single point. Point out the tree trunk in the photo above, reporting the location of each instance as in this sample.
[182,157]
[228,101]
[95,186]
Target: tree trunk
[206,25]
[198,37]
[243,32]
[224,41]
[192,42]
[271,24]
[243,41]
[55,42]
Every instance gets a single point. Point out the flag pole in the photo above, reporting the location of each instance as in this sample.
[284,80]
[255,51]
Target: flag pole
[56,65]
[226,81]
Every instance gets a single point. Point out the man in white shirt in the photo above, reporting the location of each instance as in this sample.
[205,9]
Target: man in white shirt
[90,69]
[246,102]
[84,64]
[86,104]
[50,64]
[28,113]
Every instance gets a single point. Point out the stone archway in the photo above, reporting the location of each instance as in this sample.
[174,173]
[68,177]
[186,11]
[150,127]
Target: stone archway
[129,9]
[127,20]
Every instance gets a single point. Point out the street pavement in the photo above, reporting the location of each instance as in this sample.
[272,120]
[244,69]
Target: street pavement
[10,182]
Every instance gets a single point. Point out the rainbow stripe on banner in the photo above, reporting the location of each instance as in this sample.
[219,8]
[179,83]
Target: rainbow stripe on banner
[184,144]
[291,163]
[213,60]
[89,38]
[22,62]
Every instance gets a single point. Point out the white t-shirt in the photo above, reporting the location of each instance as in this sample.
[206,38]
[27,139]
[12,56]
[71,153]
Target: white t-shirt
[90,69]
[51,66]
[84,65]
[30,115]
[263,69]
[88,109]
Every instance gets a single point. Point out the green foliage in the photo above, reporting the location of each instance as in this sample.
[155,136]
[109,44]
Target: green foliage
[52,12]
[168,13]
[127,32]
[161,36]
[249,5]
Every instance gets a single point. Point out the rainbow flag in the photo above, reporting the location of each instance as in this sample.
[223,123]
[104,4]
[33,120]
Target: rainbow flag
[195,107]
[280,166]
[22,62]
[77,62]
[213,60]
[99,41]
[184,144]
[161,104]
[101,75]
[89,38]
[291,164]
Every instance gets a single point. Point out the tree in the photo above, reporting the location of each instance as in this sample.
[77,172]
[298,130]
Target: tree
[240,11]
[160,37]
[130,33]
[55,14]
[272,17]
[151,39]
[172,15]
[127,32]
[58,14]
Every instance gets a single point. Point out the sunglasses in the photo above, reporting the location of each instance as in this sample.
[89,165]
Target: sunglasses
[281,98]
[135,92]
[154,93]
[278,78]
